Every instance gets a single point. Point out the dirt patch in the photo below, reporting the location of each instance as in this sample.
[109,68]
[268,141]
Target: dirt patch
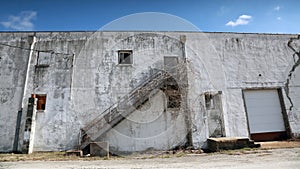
[276,158]
[60,156]
[279,144]
[45,156]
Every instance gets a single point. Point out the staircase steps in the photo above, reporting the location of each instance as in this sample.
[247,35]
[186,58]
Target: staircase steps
[120,110]
[230,143]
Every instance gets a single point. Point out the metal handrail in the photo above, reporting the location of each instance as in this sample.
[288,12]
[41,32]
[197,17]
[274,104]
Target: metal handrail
[159,73]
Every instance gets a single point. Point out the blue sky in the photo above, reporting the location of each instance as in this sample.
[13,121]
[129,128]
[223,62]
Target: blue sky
[261,16]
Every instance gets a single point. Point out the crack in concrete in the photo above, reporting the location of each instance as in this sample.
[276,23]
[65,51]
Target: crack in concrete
[296,64]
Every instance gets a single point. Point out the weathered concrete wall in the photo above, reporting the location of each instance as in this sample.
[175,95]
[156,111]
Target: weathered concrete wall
[13,65]
[110,81]
[151,127]
[293,111]
[252,61]
[57,127]
[54,80]
[83,78]
[237,62]
[292,87]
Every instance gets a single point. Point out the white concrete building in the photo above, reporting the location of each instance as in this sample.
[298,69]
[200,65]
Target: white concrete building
[146,90]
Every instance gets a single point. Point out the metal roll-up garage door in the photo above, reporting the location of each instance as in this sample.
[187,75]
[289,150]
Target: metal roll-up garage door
[265,118]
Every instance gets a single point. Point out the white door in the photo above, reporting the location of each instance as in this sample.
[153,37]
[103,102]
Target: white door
[264,111]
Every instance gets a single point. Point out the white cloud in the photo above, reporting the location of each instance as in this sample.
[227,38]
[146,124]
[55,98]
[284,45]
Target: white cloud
[277,8]
[242,20]
[279,18]
[21,22]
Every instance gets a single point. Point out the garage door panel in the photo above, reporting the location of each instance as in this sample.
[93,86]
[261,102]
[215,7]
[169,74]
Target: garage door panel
[266,114]
[264,111]
[266,121]
[266,127]
[262,102]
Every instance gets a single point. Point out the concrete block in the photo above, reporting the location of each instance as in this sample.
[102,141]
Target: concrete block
[229,143]
[99,149]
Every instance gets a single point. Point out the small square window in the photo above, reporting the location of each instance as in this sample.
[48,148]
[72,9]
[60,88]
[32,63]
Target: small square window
[43,58]
[125,57]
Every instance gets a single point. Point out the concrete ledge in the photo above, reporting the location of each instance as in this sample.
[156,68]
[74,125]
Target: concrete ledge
[229,143]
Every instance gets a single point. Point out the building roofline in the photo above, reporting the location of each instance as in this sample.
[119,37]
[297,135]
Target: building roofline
[91,31]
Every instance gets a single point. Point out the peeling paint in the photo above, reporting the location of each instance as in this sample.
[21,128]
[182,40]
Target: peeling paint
[83,78]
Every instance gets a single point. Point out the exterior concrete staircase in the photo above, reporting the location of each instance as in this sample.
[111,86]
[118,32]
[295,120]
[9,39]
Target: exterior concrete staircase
[120,110]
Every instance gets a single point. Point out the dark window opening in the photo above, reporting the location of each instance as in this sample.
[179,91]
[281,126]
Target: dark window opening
[209,101]
[41,102]
[174,99]
[172,85]
[213,100]
[125,57]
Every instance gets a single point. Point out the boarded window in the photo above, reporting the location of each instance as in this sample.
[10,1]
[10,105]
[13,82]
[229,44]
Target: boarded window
[41,102]
[125,57]
[43,58]
[171,65]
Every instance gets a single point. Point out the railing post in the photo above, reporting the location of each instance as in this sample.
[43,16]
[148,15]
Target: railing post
[109,117]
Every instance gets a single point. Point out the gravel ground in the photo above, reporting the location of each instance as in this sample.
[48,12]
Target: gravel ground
[288,158]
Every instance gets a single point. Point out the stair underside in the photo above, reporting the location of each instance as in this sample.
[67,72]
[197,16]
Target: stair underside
[115,115]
